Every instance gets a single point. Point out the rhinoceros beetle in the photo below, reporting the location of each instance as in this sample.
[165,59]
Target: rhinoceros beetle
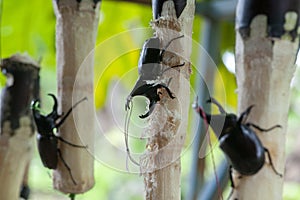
[46,139]
[238,140]
[150,68]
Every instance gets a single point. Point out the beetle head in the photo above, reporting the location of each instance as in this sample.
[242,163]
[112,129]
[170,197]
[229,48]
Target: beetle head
[221,123]
[148,90]
[35,108]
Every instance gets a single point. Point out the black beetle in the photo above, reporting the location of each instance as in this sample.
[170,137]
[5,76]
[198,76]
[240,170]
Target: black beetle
[238,140]
[46,139]
[150,69]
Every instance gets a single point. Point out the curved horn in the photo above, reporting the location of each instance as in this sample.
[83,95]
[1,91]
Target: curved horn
[214,101]
[54,109]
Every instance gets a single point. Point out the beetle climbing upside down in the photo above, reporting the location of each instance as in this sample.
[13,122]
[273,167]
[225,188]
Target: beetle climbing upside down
[150,69]
[46,139]
[238,140]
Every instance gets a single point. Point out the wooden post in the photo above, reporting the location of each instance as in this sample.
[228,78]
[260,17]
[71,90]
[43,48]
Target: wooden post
[267,41]
[76,31]
[160,164]
[17,129]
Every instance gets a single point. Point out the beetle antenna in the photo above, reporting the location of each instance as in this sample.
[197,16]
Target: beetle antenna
[203,114]
[214,101]
[168,44]
[126,131]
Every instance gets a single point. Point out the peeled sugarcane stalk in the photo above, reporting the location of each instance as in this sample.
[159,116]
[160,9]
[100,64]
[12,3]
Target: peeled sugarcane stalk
[76,30]
[17,129]
[267,41]
[160,164]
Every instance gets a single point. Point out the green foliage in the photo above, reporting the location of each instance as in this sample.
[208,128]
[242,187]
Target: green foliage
[114,41]
[28,26]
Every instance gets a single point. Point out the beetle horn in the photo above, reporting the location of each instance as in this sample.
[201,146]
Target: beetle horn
[54,109]
[214,101]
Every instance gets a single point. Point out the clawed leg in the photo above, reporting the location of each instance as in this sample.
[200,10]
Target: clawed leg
[66,165]
[231,182]
[69,112]
[245,114]
[168,44]
[169,92]
[69,143]
[262,129]
[271,163]
[166,87]
[180,65]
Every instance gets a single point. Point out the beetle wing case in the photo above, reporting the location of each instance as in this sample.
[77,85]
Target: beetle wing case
[47,146]
[150,52]
[244,150]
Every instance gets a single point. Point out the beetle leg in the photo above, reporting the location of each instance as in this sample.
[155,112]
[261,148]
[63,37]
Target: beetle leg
[262,129]
[245,114]
[271,163]
[180,65]
[66,165]
[68,113]
[168,91]
[230,176]
[167,45]
[231,182]
[25,192]
[69,143]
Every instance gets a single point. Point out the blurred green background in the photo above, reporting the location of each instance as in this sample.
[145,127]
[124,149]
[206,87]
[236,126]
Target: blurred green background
[29,26]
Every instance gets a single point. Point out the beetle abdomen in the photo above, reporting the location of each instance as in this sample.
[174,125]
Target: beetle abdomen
[244,151]
[47,146]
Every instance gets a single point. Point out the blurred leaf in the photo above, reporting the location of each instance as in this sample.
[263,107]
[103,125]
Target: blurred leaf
[227,37]
[28,26]
[114,41]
